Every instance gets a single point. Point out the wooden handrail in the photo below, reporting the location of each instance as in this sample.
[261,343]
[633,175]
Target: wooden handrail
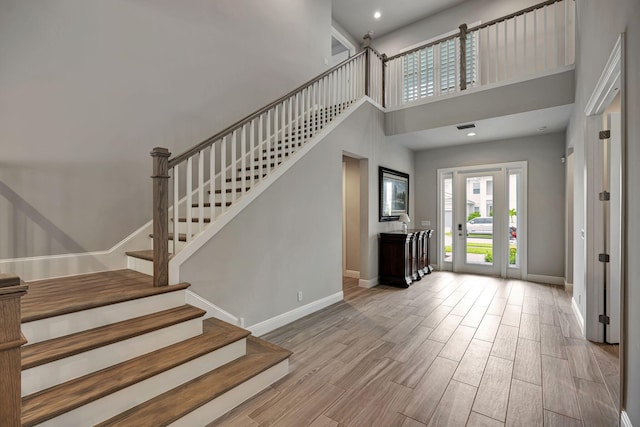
[513,15]
[476,28]
[11,339]
[207,142]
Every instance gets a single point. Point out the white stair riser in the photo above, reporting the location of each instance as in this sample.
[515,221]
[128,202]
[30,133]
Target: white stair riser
[59,371]
[140,265]
[113,404]
[54,327]
[234,397]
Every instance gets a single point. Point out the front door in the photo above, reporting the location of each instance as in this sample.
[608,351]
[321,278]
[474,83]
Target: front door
[479,198]
[482,220]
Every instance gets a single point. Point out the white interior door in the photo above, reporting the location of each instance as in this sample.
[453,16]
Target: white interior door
[613,229]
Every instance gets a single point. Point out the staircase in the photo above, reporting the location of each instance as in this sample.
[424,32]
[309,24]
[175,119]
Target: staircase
[111,349]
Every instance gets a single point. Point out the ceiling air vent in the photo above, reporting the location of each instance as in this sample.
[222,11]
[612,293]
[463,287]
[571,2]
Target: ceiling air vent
[467,126]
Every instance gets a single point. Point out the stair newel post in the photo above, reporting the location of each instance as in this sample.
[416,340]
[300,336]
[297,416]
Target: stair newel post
[11,339]
[384,80]
[367,63]
[160,216]
[463,56]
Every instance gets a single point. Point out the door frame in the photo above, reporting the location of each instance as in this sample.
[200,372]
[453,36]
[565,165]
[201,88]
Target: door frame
[610,83]
[507,272]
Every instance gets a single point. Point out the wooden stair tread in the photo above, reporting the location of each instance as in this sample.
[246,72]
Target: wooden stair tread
[174,404]
[54,297]
[69,345]
[47,404]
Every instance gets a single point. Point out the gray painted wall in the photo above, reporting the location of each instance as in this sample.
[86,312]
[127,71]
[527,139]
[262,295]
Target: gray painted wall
[545,190]
[88,88]
[599,24]
[290,238]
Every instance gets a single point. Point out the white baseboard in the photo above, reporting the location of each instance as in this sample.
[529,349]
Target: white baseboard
[551,280]
[211,309]
[352,274]
[576,311]
[626,422]
[368,283]
[274,323]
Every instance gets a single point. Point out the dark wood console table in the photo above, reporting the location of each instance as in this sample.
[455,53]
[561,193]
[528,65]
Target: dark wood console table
[404,257]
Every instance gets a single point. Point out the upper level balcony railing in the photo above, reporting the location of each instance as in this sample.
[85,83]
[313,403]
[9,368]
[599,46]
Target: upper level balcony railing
[521,45]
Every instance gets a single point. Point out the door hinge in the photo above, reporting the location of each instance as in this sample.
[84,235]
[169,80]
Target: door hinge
[605,196]
[603,257]
[604,319]
[604,134]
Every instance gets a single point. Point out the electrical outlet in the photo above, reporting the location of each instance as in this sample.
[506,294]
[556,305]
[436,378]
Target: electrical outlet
[299,295]
[426,223]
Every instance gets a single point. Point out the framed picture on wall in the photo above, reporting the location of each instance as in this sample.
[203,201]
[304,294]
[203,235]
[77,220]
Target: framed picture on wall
[393,193]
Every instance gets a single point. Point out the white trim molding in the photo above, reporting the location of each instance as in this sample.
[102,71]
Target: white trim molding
[368,283]
[280,320]
[212,310]
[551,280]
[579,318]
[624,417]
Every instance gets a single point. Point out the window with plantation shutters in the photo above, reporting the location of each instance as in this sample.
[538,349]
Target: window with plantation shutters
[434,70]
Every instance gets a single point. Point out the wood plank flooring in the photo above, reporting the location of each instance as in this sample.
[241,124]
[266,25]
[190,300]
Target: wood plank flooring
[451,350]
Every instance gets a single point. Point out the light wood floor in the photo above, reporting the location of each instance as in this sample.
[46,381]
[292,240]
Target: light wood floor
[451,350]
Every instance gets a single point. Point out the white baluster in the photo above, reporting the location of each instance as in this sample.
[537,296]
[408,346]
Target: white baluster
[556,39]
[535,41]
[252,153]
[223,172]
[283,137]
[524,47]
[566,32]
[515,46]
[545,38]
[261,139]
[506,54]
[176,207]
[497,55]
[276,132]
[189,178]
[212,182]
[200,190]
[268,136]
[234,168]
[243,161]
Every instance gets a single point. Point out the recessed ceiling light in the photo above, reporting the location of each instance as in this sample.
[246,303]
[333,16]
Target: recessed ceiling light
[377,14]
[471,134]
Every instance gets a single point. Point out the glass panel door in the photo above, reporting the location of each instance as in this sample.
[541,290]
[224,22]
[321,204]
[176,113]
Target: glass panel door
[478,247]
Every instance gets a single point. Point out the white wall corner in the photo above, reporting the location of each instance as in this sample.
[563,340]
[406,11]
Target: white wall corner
[551,280]
[283,319]
[211,309]
[624,417]
[368,283]
[579,318]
